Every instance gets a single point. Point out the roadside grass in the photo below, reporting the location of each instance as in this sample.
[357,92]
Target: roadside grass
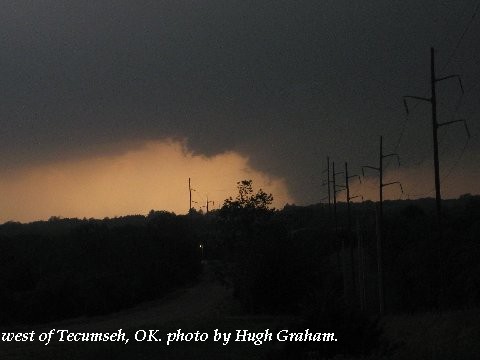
[439,336]
[453,335]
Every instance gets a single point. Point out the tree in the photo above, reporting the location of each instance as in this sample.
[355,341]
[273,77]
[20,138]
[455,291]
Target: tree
[247,199]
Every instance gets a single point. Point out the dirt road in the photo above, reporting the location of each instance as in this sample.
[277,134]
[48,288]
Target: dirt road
[204,306]
[192,304]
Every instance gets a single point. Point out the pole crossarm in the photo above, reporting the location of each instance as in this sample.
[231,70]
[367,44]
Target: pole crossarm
[393,154]
[456,121]
[368,167]
[417,98]
[450,77]
[394,182]
[413,97]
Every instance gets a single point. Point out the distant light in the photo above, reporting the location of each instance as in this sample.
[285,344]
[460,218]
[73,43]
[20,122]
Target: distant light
[201,246]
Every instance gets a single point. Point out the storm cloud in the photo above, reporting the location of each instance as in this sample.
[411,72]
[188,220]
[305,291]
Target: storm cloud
[284,83]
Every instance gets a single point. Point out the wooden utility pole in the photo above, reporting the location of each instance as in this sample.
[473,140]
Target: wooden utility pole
[381,292]
[334,199]
[347,188]
[334,188]
[327,183]
[435,126]
[190,192]
[438,196]
[190,189]
[328,186]
[209,202]
[361,269]
[344,264]
[349,228]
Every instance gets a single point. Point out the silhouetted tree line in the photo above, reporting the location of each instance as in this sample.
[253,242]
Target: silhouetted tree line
[278,260]
[92,267]
[285,261]
[290,261]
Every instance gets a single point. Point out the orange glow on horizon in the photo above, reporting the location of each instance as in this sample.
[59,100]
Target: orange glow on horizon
[154,176]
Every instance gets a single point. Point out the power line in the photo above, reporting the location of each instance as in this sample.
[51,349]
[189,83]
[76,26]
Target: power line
[448,173]
[455,164]
[457,106]
[448,21]
[462,36]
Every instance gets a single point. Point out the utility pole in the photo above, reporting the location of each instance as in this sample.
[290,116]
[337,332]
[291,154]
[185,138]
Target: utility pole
[344,264]
[347,188]
[349,227]
[328,186]
[327,183]
[435,126]
[361,269]
[334,174]
[334,198]
[381,292]
[438,196]
[190,192]
[190,189]
[209,202]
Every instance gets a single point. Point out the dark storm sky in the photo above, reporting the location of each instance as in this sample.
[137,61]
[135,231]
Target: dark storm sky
[284,82]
